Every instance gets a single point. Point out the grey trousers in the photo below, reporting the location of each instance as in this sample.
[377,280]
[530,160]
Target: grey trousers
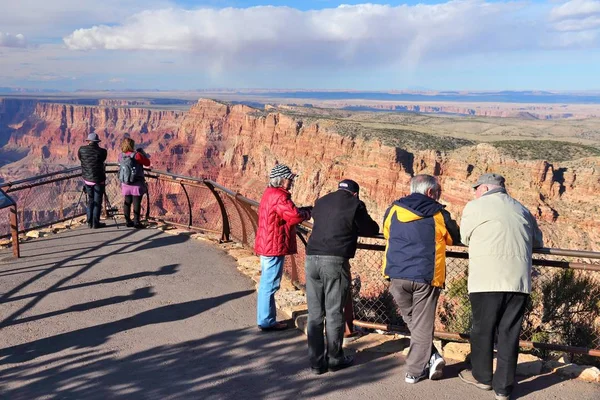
[417,303]
[327,285]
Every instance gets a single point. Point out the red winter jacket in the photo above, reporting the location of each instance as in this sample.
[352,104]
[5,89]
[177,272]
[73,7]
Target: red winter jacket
[277,220]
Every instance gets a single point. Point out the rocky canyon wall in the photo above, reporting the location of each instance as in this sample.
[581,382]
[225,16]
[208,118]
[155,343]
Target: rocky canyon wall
[238,145]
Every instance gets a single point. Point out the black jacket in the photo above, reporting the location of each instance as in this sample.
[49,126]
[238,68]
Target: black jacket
[92,159]
[339,217]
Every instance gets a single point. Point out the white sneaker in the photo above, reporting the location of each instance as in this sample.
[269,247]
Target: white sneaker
[408,378]
[436,365]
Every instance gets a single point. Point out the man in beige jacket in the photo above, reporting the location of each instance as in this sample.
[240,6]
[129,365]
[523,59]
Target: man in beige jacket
[501,234]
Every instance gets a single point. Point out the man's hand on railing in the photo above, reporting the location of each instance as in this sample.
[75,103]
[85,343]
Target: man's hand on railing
[306,211]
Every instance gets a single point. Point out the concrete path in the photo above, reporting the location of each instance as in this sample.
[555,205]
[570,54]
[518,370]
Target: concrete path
[125,314]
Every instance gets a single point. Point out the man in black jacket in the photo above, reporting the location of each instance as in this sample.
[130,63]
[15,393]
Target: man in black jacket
[92,158]
[339,217]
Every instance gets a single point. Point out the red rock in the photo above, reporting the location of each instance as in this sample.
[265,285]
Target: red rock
[238,145]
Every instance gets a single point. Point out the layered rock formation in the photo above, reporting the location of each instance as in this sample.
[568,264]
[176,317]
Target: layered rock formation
[517,111]
[238,145]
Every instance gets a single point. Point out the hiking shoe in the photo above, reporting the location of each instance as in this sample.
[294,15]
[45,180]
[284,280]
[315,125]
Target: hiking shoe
[345,363]
[318,370]
[99,225]
[466,375]
[129,224]
[499,396]
[277,326]
[408,378]
[436,365]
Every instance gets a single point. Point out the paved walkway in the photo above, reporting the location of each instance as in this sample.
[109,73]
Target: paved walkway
[125,314]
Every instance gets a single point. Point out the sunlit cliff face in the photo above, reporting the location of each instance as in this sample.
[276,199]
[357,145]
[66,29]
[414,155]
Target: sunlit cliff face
[238,145]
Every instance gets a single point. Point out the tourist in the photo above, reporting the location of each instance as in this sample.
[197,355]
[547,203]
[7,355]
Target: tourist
[133,184]
[417,229]
[339,217]
[501,234]
[92,158]
[275,238]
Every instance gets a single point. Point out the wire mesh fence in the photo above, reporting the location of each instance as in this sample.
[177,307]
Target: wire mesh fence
[45,201]
[564,304]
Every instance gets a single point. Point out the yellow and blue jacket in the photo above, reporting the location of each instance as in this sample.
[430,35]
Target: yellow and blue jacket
[417,230]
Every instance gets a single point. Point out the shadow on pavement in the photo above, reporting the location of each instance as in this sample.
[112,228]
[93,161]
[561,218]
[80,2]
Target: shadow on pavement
[165,270]
[95,259]
[244,364]
[526,384]
[99,334]
[137,294]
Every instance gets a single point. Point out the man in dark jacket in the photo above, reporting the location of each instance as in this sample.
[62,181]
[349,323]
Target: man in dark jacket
[339,218]
[417,230]
[92,158]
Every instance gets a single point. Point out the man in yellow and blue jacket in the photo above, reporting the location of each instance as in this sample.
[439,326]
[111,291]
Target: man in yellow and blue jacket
[417,229]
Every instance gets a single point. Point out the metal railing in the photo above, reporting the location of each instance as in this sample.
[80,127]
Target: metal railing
[564,314]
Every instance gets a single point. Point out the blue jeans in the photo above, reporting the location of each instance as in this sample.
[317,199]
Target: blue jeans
[270,279]
[94,209]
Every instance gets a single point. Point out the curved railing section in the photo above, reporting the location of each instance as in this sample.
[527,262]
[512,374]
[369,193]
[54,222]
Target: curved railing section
[564,314]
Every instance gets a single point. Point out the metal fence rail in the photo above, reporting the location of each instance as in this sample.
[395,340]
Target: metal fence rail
[564,313]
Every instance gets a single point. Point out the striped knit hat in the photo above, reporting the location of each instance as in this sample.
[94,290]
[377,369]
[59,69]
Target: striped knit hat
[283,171]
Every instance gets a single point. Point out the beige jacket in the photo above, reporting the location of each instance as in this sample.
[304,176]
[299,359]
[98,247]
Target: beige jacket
[500,233]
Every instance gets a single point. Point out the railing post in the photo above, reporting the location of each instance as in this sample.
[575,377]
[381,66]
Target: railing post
[187,196]
[14,230]
[147,203]
[349,315]
[225,236]
[234,200]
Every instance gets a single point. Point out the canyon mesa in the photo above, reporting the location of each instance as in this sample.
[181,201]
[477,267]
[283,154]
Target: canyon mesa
[553,167]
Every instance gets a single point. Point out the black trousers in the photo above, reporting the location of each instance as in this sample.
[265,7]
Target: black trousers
[94,209]
[327,285]
[501,313]
[137,205]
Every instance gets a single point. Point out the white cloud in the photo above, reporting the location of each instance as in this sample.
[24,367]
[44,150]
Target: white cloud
[8,40]
[358,35]
[116,80]
[582,24]
[577,15]
[576,9]
[48,77]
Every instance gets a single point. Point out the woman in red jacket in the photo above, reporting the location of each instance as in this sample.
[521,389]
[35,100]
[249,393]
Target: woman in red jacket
[275,237]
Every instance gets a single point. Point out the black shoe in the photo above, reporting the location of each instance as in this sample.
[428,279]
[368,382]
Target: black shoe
[466,375]
[318,370]
[139,226]
[345,363]
[278,326]
[89,224]
[129,224]
[99,225]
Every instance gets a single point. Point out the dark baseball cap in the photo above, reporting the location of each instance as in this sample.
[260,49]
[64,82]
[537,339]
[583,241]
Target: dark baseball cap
[349,185]
[490,179]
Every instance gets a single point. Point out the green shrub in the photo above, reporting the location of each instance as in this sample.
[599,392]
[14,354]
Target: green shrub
[402,138]
[565,311]
[545,150]
[456,313]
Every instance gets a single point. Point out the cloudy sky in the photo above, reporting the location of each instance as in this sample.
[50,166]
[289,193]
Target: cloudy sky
[185,44]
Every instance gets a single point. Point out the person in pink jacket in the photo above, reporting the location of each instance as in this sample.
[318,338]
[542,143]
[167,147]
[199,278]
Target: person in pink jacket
[133,192]
[275,238]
